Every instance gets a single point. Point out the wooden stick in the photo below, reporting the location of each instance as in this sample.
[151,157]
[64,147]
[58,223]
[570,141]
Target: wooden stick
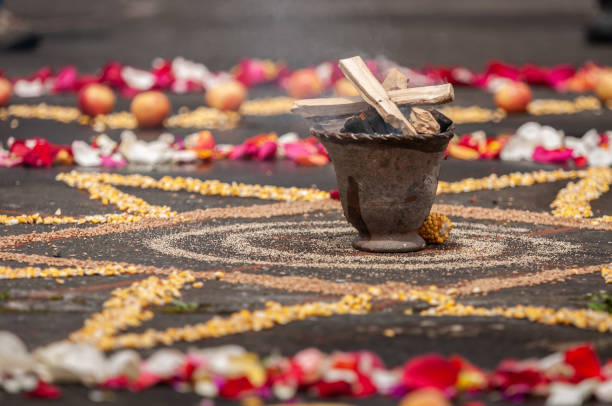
[374,94]
[421,119]
[340,106]
[395,80]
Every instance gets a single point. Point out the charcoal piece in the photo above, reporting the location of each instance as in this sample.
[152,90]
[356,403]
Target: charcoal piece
[378,125]
[371,122]
[368,123]
[356,124]
[444,121]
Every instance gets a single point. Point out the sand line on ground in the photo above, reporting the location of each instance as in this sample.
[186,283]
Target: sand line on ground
[317,285]
[293,208]
[254,211]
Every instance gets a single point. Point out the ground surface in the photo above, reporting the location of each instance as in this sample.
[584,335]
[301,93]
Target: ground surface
[314,244]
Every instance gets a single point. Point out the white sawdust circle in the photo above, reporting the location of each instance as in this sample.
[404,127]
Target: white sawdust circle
[327,245]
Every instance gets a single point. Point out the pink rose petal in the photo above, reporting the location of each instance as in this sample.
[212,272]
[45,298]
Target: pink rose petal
[267,151]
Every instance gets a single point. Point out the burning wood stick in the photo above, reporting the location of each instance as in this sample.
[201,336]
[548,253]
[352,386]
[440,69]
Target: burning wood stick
[374,94]
[340,106]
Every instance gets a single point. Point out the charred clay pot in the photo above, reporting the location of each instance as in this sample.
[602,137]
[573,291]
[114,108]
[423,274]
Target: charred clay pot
[387,182]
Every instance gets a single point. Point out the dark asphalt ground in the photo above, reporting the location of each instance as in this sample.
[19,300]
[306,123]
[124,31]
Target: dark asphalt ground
[218,33]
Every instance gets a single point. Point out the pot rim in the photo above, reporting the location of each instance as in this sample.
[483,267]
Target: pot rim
[397,138]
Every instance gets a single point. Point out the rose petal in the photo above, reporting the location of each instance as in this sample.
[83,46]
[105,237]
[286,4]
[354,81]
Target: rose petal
[604,392]
[250,72]
[84,155]
[234,388]
[312,160]
[144,381]
[267,151]
[584,361]
[163,75]
[164,363]
[516,378]
[295,150]
[113,161]
[541,154]
[123,364]
[430,371]
[42,154]
[502,69]
[137,78]
[66,80]
[13,353]
[202,140]
[239,152]
[45,391]
[328,389]
[563,394]
[8,161]
[191,73]
[28,88]
[111,75]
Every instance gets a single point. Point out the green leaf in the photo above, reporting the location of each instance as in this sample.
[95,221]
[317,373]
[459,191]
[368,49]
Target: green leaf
[600,302]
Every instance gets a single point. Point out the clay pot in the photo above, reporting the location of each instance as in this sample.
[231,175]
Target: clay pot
[387,182]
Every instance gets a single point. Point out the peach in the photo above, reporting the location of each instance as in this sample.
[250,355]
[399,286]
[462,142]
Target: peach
[513,97]
[6,89]
[150,108]
[304,83]
[95,99]
[345,88]
[603,86]
[227,95]
[425,397]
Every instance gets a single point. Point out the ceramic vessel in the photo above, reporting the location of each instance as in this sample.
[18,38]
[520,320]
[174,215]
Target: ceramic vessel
[387,182]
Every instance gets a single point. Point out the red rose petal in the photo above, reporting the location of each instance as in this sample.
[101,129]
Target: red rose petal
[364,386]
[43,74]
[581,162]
[117,382]
[163,76]
[111,75]
[45,390]
[235,388]
[584,361]
[144,381]
[514,377]
[430,371]
[502,69]
[329,389]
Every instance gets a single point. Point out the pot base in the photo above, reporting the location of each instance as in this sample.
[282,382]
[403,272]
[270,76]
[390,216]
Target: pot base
[390,243]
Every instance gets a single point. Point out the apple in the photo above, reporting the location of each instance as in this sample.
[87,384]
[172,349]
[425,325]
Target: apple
[304,83]
[513,97]
[345,88]
[95,99]
[226,95]
[6,89]
[603,86]
[150,108]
